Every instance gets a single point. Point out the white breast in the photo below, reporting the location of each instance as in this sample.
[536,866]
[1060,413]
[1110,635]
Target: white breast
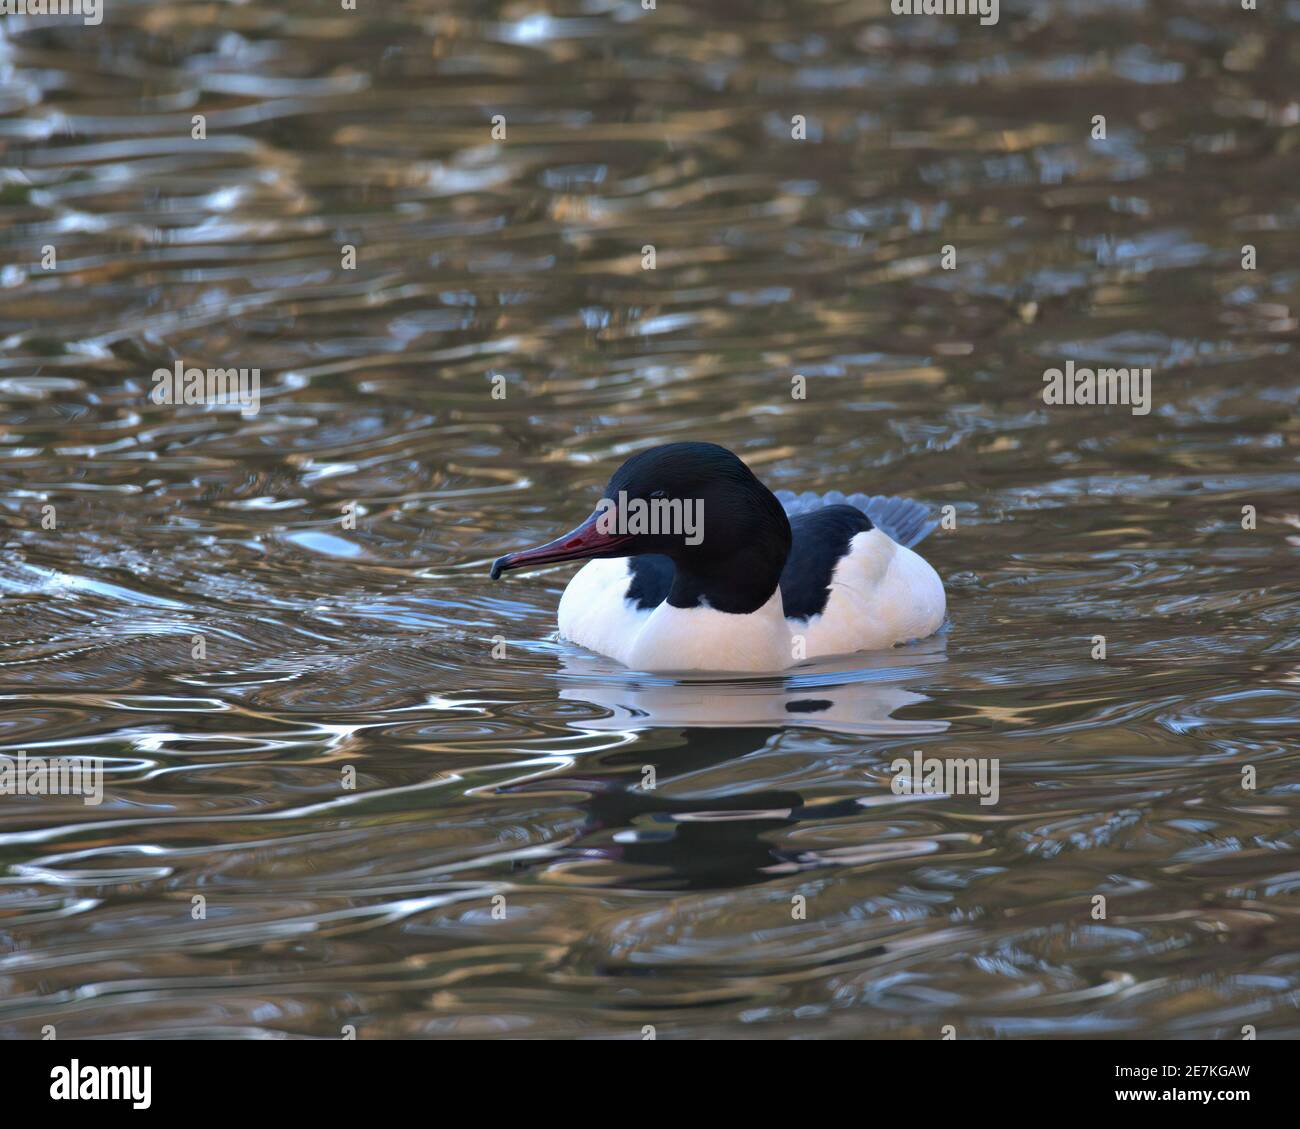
[881,594]
[595,613]
[706,639]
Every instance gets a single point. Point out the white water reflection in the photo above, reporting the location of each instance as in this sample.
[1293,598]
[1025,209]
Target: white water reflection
[858,694]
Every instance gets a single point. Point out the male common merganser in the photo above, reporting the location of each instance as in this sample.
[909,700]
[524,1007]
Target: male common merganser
[696,565]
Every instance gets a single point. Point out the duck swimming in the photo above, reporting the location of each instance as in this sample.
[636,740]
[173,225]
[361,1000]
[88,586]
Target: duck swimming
[694,564]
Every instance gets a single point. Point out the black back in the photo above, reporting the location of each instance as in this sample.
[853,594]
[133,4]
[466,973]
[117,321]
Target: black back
[821,538]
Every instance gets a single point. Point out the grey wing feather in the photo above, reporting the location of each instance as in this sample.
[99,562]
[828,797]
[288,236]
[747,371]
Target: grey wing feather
[901,519]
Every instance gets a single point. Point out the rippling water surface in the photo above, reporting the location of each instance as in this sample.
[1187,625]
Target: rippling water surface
[498,868]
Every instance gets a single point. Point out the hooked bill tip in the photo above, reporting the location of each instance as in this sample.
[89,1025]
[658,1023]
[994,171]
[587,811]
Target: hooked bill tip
[498,566]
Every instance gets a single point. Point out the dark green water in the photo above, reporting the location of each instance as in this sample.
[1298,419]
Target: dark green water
[517,776]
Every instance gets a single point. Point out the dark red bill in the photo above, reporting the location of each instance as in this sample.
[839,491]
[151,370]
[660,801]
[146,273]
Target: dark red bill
[576,545]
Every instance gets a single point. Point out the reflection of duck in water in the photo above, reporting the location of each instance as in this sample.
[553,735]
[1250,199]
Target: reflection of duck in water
[668,835]
[647,838]
[858,695]
[679,841]
[696,565]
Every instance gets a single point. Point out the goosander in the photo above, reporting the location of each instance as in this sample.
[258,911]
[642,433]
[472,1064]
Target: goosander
[695,565]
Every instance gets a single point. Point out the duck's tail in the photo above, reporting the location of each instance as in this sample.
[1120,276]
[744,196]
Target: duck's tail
[900,519]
